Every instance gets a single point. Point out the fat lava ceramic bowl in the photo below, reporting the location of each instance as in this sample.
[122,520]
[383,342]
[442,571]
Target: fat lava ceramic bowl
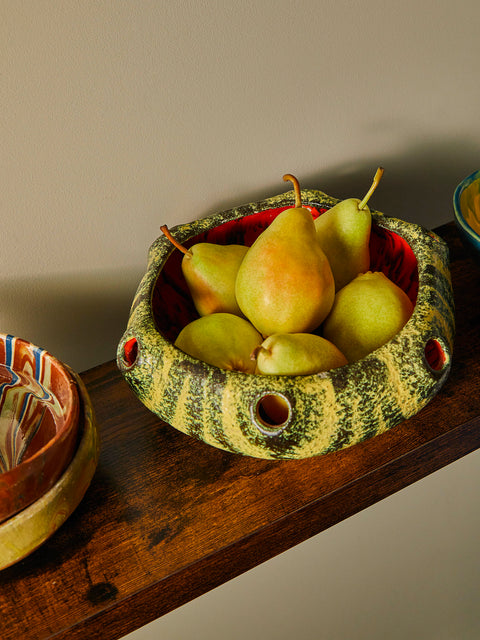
[39,410]
[327,411]
[466,207]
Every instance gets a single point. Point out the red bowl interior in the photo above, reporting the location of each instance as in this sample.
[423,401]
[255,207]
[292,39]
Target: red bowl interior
[39,416]
[171,301]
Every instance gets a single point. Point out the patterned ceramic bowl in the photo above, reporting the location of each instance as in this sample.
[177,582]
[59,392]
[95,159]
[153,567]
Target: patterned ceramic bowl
[466,207]
[39,409]
[327,411]
[26,531]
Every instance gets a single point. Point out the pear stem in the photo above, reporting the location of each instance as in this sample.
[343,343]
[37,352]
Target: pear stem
[375,182]
[298,196]
[255,352]
[175,243]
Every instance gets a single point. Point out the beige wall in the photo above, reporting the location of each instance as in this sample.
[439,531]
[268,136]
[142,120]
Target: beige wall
[119,116]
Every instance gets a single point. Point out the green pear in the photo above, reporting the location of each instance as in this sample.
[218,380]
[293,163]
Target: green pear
[223,340]
[368,312]
[285,284]
[293,354]
[344,234]
[210,271]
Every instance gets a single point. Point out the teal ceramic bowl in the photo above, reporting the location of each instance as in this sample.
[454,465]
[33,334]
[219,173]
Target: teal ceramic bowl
[466,206]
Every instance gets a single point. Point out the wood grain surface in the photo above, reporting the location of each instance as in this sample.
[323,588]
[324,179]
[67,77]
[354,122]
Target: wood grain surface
[166,517]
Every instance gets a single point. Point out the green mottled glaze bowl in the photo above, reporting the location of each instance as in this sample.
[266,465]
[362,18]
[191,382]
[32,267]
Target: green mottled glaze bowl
[327,411]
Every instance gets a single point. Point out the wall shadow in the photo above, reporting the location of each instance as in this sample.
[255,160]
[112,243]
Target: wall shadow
[79,318]
[420,178]
[418,184]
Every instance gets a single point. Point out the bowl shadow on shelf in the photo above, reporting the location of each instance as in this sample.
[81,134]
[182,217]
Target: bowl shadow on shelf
[76,317]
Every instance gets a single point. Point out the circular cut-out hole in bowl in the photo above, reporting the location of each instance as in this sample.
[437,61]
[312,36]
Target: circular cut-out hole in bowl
[272,413]
[130,352]
[436,356]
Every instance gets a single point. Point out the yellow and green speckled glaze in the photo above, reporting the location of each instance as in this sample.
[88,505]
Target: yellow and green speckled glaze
[328,411]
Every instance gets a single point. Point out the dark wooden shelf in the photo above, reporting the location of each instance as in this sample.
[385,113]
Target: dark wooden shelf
[166,518]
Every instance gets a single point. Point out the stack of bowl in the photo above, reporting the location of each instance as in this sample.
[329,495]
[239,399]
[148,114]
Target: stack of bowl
[48,446]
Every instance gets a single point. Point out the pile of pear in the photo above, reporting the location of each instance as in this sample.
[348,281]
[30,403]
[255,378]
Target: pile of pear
[300,300]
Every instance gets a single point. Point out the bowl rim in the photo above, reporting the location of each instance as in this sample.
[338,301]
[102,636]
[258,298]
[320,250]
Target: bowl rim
[388,223]
[459,217]
[68,430]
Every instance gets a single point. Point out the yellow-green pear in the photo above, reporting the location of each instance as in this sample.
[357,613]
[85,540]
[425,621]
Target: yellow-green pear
[223,340]
[293,354]
[285,284]
[368,312]
[344,234]
[210,271]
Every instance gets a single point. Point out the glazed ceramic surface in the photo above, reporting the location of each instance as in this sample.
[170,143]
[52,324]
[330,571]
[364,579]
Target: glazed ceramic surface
[466,206]
[328,411]
[27,530]
[39,409]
